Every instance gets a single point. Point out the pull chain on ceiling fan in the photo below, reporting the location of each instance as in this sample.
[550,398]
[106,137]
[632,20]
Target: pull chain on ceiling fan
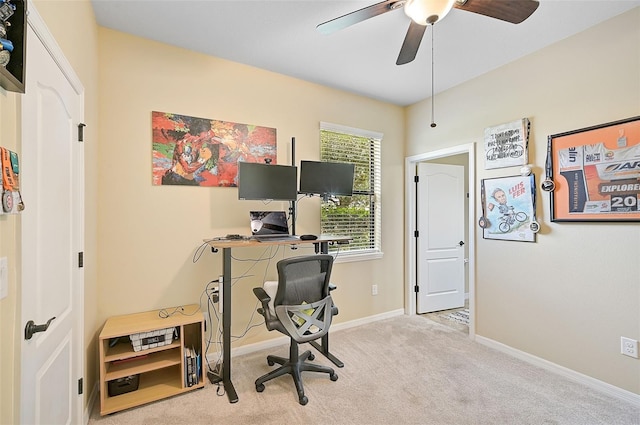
[433,94]
[428,12]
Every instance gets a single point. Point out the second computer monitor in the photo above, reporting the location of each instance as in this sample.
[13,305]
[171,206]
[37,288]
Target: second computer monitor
[326,178]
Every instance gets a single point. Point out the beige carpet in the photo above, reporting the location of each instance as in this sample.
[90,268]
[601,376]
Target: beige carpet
[403,370]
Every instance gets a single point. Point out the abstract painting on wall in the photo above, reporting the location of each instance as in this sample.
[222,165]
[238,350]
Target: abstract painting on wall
[192,151]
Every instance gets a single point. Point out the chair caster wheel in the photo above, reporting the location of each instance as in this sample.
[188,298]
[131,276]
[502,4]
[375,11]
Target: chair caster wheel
[311,357]
[303,400]
[260,388]
[270,362]
[333,376]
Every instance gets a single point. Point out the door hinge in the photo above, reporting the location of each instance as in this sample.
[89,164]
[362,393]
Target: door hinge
[80,386]
[81,127]
[416,233]
[416,288]
[416,179]
[80,259]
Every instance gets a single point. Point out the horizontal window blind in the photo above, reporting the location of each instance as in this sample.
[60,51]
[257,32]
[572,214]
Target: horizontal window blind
[356,216]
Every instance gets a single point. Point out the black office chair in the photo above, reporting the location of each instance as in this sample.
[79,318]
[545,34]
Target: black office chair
[301,309]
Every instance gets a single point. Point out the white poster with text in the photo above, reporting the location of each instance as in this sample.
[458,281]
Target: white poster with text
[506,145]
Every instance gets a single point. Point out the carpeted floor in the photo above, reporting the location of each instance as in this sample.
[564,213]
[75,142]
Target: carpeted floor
[403,370]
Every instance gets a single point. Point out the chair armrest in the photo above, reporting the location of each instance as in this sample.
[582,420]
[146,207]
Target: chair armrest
[264,299]
[262,296]
[334,308]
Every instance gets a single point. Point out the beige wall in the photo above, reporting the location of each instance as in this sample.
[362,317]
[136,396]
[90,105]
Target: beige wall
[148,235]
[569,297]
[79,44]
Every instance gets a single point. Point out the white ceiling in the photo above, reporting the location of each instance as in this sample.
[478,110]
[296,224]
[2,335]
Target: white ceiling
[280,36]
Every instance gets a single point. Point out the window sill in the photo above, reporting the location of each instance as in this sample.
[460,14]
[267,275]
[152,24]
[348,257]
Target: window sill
[349,257]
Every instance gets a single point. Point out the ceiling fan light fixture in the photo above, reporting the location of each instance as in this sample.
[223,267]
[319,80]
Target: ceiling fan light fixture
[424,12]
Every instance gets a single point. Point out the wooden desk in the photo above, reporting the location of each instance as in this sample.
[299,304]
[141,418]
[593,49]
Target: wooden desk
[321,246]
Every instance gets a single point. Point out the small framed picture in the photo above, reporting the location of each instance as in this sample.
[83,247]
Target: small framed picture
[507,145]
[508,205]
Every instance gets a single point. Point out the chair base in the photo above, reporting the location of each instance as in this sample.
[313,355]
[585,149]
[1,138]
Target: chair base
[294,366]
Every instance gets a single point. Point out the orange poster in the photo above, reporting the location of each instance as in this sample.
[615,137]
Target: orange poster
[596,172]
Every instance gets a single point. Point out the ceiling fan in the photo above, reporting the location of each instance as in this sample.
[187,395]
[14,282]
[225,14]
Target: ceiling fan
[428,12]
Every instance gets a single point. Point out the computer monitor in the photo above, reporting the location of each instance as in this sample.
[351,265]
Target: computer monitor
[258,181]
[326,178]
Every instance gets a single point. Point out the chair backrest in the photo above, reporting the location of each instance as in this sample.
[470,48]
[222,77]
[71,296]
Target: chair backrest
[302,302]
[303,279]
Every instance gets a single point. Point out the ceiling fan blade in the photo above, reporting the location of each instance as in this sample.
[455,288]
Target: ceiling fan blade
[514,11]
[411,43]
[363,14]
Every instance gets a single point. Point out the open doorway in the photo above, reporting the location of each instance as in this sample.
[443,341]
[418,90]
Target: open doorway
[462,156]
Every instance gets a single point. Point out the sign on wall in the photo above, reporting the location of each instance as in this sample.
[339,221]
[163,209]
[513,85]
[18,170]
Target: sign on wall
[508,205]
[506,145]
[10,183]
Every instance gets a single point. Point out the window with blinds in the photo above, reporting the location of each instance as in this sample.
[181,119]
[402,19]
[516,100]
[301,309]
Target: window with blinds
[357,216]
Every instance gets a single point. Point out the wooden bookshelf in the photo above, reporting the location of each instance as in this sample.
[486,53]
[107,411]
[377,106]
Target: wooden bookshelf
[160,370]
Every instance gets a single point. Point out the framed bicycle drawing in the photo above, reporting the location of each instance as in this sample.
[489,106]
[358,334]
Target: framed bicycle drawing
[508,206]
[596,173]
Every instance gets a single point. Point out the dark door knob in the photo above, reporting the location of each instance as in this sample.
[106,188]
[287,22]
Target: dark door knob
[461,243]
[32,328]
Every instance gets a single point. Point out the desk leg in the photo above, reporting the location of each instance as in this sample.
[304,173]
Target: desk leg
[226,326]
[324,347]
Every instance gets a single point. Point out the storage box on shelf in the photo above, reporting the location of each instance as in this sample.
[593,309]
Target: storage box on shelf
[129,378]
[153,339]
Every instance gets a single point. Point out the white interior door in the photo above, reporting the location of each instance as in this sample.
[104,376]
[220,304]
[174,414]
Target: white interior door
[52,174]
[440,244]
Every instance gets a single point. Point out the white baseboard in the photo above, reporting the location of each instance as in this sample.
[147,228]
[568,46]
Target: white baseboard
[578,377]
[282,340]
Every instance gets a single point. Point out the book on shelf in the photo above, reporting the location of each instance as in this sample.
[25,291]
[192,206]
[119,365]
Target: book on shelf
[192,366]
[194,372]
[198,366]
[188,367]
